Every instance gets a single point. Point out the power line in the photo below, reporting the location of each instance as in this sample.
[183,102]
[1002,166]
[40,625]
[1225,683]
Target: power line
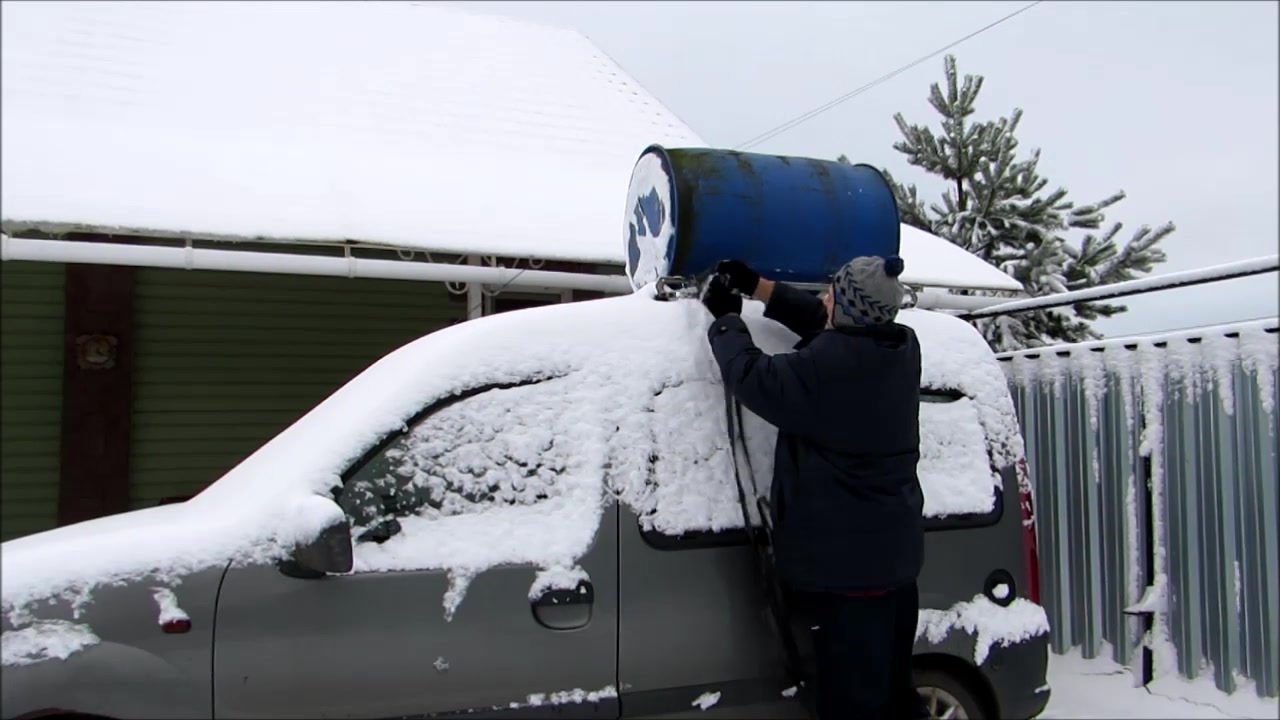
[768,134]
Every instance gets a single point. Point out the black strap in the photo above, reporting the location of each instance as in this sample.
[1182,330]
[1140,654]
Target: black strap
[762,545]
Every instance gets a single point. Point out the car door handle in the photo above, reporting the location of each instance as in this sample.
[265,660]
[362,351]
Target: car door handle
[565,609]
[583,594]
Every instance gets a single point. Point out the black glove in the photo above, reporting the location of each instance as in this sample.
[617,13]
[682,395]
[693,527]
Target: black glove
[741,277]
[720,299]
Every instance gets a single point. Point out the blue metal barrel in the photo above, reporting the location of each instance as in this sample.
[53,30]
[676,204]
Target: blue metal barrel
[792,219]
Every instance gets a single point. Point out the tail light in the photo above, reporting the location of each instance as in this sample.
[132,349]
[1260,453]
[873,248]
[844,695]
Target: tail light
[1030,550]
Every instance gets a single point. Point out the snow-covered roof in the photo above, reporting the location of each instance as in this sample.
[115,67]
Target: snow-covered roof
[394,123]
[932,261]
[404,124]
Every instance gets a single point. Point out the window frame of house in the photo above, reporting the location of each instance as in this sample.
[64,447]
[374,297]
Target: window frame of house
[509,300]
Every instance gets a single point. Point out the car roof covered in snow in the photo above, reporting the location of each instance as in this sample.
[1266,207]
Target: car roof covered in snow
[617,375]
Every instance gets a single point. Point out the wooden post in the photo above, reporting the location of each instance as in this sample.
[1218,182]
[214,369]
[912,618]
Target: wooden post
[96,391]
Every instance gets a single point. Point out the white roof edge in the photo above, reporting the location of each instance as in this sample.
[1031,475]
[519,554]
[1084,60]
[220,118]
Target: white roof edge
[16,228]
[935,262]
[1271,324]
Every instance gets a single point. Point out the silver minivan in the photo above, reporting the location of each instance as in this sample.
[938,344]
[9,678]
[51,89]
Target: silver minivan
[531,514]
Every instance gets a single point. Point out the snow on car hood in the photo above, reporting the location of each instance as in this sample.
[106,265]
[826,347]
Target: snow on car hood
[622,362]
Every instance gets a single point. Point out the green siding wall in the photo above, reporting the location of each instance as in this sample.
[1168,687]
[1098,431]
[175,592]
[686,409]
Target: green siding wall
[224,361]
[31,327]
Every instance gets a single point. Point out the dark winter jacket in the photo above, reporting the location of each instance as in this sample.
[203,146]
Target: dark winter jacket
[846,500]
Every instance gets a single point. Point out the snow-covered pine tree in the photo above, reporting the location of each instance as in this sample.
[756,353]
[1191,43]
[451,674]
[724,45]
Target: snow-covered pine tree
[996,206]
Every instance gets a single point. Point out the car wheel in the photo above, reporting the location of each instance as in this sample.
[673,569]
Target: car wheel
[945,697]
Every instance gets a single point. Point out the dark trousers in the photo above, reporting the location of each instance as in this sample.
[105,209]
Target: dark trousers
[863,652]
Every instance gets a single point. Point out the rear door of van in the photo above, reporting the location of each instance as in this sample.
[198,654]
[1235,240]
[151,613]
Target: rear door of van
[695,637]
[695,626]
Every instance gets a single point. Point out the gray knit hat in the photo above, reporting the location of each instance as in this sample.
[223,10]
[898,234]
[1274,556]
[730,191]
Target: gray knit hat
[867,291]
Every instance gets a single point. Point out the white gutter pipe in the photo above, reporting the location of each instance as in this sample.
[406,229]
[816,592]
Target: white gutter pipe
[930,300]
[472,273]
[945,301]
[1186,278]
[189,258]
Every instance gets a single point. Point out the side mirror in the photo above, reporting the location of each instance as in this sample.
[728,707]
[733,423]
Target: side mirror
[329,553]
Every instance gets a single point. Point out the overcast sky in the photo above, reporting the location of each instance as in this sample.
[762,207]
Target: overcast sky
[1173,102]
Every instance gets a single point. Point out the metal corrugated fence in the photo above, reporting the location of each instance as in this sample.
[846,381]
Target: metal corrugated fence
[1155,488]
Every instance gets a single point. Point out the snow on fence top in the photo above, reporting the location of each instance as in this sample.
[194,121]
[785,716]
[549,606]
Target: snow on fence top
[391,123]
[1190,356]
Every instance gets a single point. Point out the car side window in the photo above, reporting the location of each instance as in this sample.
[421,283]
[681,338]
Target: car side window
[956,470]
[690,490]
[955,465]
[487,448]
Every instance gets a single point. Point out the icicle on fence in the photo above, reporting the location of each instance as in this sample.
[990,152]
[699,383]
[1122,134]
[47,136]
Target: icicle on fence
[1155,489]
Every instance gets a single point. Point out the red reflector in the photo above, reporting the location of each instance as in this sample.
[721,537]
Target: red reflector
[1031,553]
[176,626]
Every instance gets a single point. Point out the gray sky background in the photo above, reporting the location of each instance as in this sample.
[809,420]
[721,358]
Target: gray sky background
[1173,102]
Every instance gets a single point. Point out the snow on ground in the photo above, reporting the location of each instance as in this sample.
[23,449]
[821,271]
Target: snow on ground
[1101,688]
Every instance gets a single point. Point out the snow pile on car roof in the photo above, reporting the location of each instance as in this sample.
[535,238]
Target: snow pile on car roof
[566,408]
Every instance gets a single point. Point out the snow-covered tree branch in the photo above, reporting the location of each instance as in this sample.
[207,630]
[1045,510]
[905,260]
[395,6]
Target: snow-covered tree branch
[999,207]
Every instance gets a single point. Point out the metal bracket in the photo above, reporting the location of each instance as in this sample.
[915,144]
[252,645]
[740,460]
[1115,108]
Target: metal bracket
[912,299]
[676,287]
